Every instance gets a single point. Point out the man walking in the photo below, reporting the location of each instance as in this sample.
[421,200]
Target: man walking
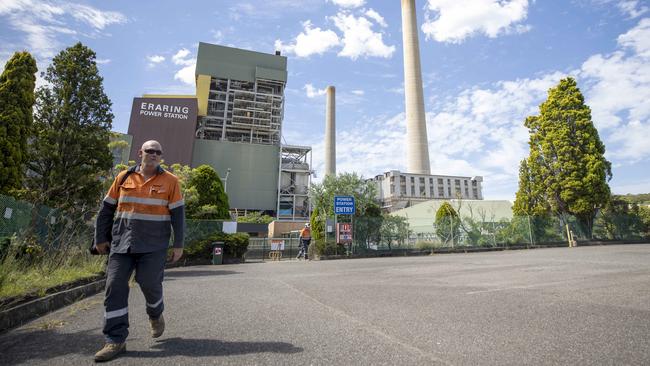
[305,239]
[134,224]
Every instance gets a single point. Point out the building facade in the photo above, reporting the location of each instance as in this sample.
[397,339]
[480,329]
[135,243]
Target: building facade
[236,128]
[397,190]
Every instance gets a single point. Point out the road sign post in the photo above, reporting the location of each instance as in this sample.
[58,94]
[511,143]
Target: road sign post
[344,205]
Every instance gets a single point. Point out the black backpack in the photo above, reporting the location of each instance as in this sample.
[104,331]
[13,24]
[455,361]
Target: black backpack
[93,248]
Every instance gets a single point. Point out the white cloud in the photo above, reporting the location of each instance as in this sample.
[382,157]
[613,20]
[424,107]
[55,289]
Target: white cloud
[372,14]
[638,38]
[309,42]
[359,39]
[156,59]
[313,92]
[103,61]
[186,74]
[43,21]
[180,57]
[348,3]
[358,92]
[632,8]
[453,21]
[94,17]
[618,92]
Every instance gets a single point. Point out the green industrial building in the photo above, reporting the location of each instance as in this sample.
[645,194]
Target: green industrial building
[234,124]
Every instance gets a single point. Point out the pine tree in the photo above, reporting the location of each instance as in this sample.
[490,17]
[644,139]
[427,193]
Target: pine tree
[447,223]
[16,101]
[566,172]
[72,124]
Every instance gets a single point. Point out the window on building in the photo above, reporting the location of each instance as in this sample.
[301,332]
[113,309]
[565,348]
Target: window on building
[402,190]
[392,189]
[475,192]
[412,191]
[412,180]
[423,191]
[402,179]
[440,181]
[431,190]
[448,191]
[441,191]
[466,192]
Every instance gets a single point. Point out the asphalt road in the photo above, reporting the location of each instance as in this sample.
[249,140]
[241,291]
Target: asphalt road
[560,306]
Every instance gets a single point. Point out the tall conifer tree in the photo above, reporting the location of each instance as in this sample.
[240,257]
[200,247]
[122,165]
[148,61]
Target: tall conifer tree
[72,123]
[566,172]
[16,101]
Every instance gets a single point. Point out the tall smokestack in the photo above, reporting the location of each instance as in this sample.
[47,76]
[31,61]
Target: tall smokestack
[417,147]
[330,132]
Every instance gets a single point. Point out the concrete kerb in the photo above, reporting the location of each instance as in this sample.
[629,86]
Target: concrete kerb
[412,253]
[23,313]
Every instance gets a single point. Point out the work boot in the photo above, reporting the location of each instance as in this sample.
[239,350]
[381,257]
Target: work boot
[109,351]
[157,326]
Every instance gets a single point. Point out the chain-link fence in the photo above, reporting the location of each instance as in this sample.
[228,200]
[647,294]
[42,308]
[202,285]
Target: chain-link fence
[46,226]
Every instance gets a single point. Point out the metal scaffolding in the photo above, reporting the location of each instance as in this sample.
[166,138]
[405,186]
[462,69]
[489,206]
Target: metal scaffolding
[294,182]
[243,111]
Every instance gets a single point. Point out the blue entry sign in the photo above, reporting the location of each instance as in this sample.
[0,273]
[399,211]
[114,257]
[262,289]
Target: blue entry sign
[344,205]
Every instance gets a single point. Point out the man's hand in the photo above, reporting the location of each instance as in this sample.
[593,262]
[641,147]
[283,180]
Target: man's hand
[177,253]
[102,248]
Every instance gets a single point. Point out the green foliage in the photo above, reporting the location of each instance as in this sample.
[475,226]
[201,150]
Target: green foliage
[323,247]
[211,200]
[620,220]
[72,123]
[394,229]
[347,184]
[255,217]
[367,228]
[642,198]
[317,223]
[566,172]
[16,101]
[235,246]
[447,224]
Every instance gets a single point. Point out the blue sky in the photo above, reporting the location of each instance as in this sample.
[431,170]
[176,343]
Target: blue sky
[486,65]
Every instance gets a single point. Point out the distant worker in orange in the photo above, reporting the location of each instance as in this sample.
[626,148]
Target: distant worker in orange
[135,224]
[305,239]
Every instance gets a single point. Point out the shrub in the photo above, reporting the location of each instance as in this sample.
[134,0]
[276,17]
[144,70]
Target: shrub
[425,245]
[323,247]
[235,245]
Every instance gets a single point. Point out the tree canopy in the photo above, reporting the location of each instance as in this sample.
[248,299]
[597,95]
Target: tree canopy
[566,172]
[72,123]
[346,184]
[16,102]
[211,199]
[447,223]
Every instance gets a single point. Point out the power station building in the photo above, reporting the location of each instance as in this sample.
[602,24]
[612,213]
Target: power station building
[234,124]
[397,190]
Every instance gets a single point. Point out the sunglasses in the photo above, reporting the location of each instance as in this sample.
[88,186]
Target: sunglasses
[153,151]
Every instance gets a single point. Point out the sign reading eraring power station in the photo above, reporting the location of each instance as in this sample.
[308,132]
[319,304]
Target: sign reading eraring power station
[170,121]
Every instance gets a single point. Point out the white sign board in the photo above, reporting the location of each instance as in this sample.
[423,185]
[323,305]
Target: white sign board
[277,244]
[8,212]
[229,227]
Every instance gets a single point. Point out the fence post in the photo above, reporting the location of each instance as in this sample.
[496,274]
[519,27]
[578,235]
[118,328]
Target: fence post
[530,231]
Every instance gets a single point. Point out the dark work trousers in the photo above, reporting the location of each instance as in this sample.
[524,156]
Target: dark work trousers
[149,271]
[304,248]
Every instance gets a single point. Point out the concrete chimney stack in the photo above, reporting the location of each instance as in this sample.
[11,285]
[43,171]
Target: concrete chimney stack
[330,132]
[416,127]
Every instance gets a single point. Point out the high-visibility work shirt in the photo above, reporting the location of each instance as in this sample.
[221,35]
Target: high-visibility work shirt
[140,214]
[305,233]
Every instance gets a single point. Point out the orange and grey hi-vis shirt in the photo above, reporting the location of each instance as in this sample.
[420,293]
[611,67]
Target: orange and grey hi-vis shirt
[140,214]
